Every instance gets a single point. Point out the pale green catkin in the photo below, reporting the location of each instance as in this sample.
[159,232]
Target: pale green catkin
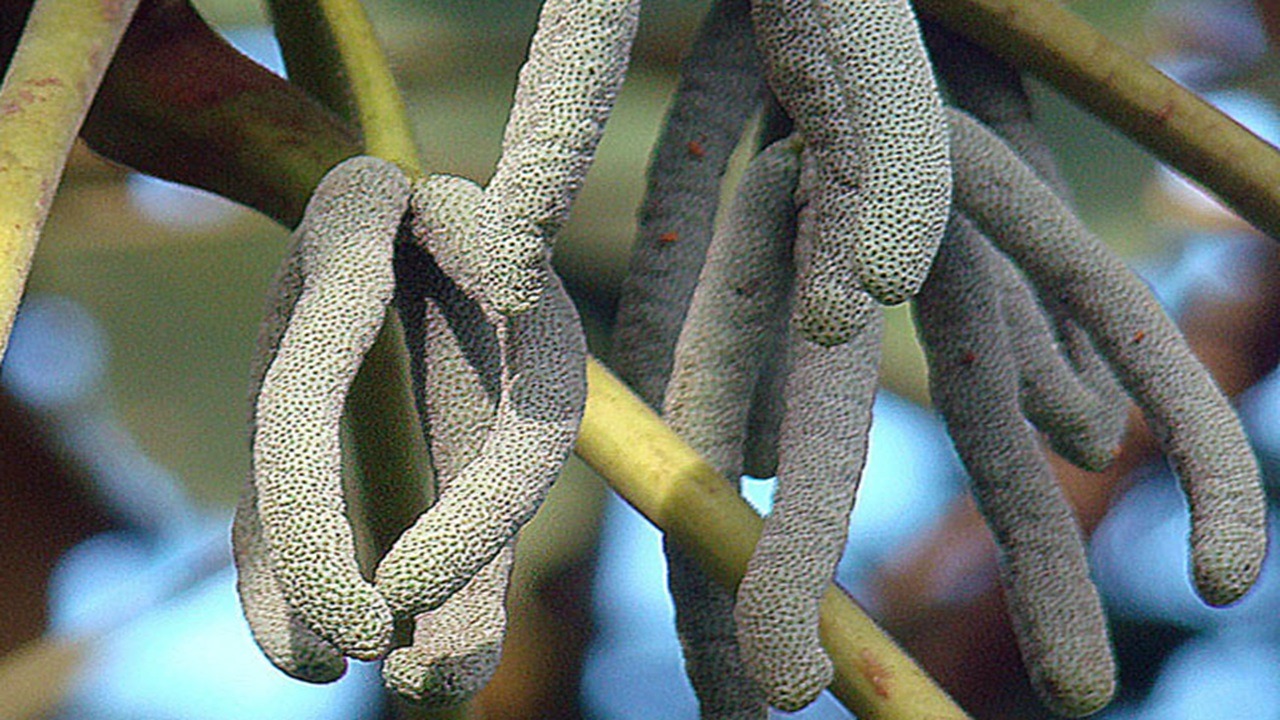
[1188,414]
[1055,399]
[565,92]
[993,92]
[810,87]
[974,383]
[344,261]
[721,86]
[275,626]
[828,396]
[856,79]
[456,377]
[746,278]
[903,184]
[543,394]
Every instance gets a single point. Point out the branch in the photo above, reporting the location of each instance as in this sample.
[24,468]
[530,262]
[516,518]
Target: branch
[51,80]
[1049,41]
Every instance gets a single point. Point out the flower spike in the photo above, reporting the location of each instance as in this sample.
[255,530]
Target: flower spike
[577,60]
[331,297]
[1193,421]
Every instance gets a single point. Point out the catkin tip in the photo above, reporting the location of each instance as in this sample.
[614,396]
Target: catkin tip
[1226,564]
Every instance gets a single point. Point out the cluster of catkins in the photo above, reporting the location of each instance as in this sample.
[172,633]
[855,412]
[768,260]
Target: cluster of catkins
[498,363]
[759,340]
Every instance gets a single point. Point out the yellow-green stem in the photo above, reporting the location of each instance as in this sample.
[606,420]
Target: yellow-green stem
[664,479]
[51,80]
[1051,42]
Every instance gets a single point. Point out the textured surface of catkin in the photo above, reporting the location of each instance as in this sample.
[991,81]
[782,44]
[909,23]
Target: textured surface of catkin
[565,92]
[903,193]
[1078,425]
[332,296]
[857,81]
[828,396]
[993,92]
[746,278]
[542,398]
[456,376]
[284,639]
[974,382]
[1186,411]
[721,86]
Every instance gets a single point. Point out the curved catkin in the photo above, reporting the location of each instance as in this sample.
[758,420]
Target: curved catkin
[1054,397]
[974,383]
[344,251]
[565,92]
[903,176]
[1195,424]
[809,86]
[829,392]
[822,445]
[717,363]
[992,91]
[543,394]
[721,86]
[275,626]
[456,375]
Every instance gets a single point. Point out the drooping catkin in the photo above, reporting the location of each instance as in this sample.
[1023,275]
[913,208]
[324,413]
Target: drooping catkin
[904,178]
[275,625]
[565,92]
[856,79]
[974,383]
[822,447]
[993,91]
[1055,398]
[456,376]
[718,360]
[721,86]
[1193,421]
[543,394]
[810,87]
[343,259]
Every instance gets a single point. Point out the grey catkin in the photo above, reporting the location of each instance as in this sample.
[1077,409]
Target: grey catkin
[974,382]
[456,377]
[1188,414]
[993,92]
[543,394]
[1080,426]
[565,92]
[856,79]
[822,447]
[336,287]
[721,86]
[746,278]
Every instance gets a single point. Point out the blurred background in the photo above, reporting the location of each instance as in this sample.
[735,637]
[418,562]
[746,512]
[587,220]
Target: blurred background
[123,408]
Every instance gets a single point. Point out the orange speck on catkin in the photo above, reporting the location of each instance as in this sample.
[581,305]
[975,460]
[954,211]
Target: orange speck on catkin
[668,237]
[695,149]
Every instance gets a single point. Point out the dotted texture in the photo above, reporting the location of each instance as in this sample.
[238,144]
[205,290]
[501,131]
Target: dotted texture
[565,92]
[721,86]
[974,383]
[333,295]
[993,92]
[456,372]
[543,394]
[1188,414]
[828,396]
[718,360]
